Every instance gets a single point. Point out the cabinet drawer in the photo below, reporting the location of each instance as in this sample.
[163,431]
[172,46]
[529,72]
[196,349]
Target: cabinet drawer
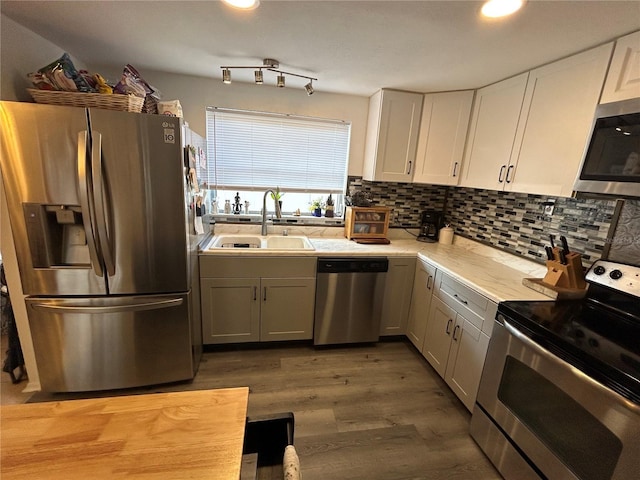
[463,299]
[242,267]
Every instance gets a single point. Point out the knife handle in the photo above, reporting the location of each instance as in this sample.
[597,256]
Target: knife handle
[565,245]
[563,257]
[549,251]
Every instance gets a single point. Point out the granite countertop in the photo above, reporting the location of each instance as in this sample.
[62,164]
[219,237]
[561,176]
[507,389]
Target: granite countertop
[496,274]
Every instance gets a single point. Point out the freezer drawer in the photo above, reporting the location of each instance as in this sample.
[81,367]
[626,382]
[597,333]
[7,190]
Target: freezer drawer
[105,343]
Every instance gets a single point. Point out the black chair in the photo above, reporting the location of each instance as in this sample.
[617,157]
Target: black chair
[268,436]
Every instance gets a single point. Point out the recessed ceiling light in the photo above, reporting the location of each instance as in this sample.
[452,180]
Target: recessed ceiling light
[243,4]
[501,8]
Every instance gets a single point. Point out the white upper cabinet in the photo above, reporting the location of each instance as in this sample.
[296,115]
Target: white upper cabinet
[492,132]
[623,79]
[556,120]
[392,136]
[538,148]
[443,131]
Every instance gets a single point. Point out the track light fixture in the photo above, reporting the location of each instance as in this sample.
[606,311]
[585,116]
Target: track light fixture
[309,88]
[226,76]
[272,66]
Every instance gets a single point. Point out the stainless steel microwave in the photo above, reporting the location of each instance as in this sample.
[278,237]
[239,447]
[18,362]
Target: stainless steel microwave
[611,163]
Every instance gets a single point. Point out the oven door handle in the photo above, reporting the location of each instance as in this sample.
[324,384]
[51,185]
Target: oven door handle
[543,352]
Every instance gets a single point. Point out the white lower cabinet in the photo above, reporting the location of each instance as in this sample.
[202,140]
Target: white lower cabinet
[457,335]
[423,283]
[257,299]
[286,308]
[397,296]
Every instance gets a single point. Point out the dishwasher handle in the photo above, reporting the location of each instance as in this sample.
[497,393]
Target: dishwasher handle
[353,265]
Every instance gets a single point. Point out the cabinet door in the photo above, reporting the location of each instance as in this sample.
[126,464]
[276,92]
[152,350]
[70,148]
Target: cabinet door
[397,296]
[437,338]
[623,79]
[466,359]
[392,136]
[492,132]
[443,132]
[230,310]
[287,308]
[420,302]
[556,120]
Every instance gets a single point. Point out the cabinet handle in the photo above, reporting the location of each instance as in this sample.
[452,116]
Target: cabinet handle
[460,300]
[509,170]
[455,339]
[500,179]
[455,169]
[264,294]
[448,326]
[429,278]
[255,293]
[409,171]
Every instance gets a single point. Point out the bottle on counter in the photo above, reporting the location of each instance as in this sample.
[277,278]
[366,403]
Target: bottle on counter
[227,206]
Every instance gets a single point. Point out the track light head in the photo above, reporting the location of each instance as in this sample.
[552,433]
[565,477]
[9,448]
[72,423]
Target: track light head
[280,81]
[226,76]
[309,88]
[259,77]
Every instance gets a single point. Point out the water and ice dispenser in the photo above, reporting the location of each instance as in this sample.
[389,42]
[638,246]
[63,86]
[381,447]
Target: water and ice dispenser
[56,235]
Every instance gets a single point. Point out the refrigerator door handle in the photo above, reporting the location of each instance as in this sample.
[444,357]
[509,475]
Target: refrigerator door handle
[132,307]
[83,193]
[99,195]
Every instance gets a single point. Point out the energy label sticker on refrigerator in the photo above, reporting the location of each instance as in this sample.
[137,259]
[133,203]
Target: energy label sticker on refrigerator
[169,135]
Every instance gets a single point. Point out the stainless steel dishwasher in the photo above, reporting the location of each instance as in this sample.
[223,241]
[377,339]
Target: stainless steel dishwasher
[349,295]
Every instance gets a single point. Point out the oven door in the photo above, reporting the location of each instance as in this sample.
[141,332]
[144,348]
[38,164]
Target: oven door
[564,424]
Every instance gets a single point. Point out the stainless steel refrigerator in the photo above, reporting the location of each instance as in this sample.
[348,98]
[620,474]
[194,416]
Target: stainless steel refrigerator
[101,214]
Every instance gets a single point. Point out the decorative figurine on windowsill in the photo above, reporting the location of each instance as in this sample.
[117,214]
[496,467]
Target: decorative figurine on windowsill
[236,206]
[329,208]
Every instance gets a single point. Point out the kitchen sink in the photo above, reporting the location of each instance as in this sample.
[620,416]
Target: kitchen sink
[270,242]
[287,243]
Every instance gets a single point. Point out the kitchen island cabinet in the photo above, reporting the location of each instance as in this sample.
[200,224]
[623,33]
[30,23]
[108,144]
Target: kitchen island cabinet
[443,132]
[392,135]
[528,133]
[254,299]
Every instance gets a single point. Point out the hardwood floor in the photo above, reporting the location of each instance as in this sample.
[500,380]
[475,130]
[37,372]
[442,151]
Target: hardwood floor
[375,412]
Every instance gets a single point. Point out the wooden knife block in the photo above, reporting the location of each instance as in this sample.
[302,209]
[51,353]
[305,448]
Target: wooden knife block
[570,275]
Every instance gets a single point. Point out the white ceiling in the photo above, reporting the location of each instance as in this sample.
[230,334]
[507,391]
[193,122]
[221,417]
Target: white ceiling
[353,47]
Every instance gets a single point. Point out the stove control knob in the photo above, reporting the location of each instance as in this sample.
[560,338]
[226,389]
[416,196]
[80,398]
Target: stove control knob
[615,274]
[599,270]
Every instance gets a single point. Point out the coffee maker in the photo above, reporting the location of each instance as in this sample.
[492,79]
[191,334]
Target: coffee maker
[430,224]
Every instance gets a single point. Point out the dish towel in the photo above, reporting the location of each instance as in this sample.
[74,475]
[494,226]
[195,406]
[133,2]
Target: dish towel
[291,464]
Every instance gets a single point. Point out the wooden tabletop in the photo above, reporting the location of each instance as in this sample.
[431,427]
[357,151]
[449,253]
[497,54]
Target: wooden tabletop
[178,435]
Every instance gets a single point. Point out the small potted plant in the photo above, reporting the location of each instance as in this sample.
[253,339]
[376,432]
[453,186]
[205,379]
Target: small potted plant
[316,207]
[329,208]
[277,196]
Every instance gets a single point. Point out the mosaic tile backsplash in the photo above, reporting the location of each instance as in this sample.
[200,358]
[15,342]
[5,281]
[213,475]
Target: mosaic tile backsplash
[625,244]
[408,200]
[514,222]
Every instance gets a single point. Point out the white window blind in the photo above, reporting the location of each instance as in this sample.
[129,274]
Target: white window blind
[256,151]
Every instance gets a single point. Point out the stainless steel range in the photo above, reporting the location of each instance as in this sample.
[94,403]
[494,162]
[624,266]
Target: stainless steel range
[559,396]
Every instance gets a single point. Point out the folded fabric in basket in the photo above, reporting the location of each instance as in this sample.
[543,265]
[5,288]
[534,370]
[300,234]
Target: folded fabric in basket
[291,464]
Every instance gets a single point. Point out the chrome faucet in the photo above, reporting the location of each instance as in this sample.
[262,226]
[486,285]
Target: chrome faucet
[264,210]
